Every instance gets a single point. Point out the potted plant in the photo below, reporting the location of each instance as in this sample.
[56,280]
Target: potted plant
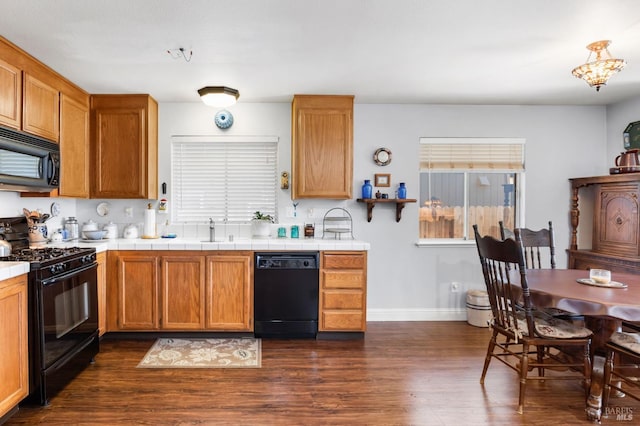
[261,225]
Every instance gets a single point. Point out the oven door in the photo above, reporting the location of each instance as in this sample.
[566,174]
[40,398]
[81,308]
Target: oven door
[68,309]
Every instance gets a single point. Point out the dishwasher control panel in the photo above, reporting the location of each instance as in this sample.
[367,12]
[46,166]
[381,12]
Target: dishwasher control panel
[291,260]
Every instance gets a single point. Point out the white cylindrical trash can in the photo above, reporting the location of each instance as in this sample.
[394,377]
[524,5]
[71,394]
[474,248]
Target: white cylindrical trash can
[478,308]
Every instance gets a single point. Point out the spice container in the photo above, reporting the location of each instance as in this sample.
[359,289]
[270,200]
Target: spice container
[309,230]
[71,226]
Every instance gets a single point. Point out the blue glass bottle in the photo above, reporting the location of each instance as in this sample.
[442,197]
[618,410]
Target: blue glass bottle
[367,189]
[402,191]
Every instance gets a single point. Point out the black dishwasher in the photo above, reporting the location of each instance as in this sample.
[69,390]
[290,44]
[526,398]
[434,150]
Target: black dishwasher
[286,294]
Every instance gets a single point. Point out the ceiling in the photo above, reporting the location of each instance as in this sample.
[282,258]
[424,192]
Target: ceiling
[399,51]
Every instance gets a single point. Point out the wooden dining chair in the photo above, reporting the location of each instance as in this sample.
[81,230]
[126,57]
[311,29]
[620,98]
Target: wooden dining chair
[540,253]
[539,246]
[522,336]
[622,366]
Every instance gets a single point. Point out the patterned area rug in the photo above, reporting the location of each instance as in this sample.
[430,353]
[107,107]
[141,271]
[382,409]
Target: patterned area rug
[204,353]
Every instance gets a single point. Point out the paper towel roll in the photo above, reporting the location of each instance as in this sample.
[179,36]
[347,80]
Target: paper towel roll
[149,223]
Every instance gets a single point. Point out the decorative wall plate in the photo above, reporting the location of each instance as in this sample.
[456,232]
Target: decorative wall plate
[223,119]
[382,156]
[102,209]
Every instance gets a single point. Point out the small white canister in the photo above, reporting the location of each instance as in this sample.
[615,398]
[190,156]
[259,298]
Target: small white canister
[111,230]
[478,308]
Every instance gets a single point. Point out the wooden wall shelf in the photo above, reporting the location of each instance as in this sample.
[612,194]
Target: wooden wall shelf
[371,203]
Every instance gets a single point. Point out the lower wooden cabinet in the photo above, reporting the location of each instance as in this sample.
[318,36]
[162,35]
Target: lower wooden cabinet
[229,295]
[101,259]
[137,291]
[343,279]
[182,298]
[181,291]
[14,358]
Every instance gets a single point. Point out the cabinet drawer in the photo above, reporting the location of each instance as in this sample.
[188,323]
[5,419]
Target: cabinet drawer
[342,299]
[343,279]
[344,261]
[342,321]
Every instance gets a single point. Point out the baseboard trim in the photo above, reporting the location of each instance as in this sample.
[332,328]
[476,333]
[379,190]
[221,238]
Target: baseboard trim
[416,315]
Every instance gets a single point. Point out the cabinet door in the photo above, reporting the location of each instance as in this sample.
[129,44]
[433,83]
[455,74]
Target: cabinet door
[74,148]
[124,146]
[102,292]
[230,292]
[138,292]
[10,95]
[41,108]
[322,147]
[14,358]
[343,279]
[183,285]
[616,220]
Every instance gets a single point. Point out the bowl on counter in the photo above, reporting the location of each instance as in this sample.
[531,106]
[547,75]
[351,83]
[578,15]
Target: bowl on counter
[94,235]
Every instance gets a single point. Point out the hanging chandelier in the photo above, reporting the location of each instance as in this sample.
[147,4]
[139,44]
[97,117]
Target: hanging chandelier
[596,73]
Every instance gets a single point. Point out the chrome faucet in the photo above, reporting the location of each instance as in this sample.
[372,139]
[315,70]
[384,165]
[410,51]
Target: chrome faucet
[212,230]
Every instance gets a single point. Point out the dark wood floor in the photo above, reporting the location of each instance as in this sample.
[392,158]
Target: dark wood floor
[401,373]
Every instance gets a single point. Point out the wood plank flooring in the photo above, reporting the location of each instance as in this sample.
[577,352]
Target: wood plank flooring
[401,373]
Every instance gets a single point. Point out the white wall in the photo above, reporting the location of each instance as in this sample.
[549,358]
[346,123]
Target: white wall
[404,281]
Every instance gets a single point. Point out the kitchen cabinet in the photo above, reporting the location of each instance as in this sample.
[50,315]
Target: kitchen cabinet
[124,146]
[41,107]
[14,358]
[322,146]
[101,272]
[616,222]
[183,291]
[194,290]
[137,291]
[229,291]
[74,146]
[343,279]
[10,95]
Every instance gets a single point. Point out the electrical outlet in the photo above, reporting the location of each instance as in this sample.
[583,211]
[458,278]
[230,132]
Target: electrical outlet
[128,211]
[290,211]
[455,287]
[310,213]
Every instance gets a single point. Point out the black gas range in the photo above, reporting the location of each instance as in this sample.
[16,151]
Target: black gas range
[48,262]
[63,309]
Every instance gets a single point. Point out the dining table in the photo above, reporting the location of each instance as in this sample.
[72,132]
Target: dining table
[604,307]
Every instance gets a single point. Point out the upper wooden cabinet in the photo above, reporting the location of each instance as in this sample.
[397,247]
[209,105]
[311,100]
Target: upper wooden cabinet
[74,147]
[10,95]
[322,146]
[124,146]
[40,108]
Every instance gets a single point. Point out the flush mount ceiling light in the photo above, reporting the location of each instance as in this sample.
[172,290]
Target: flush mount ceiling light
[218,96]
[596,73]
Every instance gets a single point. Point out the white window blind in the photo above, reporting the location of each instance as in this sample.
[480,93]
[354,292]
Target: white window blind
[223,177]
[472,154]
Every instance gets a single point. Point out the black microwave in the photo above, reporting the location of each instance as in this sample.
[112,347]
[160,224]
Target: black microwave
[28,163]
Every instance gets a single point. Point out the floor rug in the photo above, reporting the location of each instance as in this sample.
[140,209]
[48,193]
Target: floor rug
[204,353]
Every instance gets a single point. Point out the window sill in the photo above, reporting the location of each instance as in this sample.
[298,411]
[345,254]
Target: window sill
[445,243]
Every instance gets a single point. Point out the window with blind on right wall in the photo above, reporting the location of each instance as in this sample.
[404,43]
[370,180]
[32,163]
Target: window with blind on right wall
[467,181]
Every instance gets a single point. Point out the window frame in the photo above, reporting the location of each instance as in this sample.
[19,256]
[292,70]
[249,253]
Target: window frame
[518,202]
[254,205]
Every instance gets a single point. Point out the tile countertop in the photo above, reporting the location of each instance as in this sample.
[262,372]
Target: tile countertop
[284,244]
[13,269]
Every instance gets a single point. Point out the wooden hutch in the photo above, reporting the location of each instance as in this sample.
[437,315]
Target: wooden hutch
[616,232]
